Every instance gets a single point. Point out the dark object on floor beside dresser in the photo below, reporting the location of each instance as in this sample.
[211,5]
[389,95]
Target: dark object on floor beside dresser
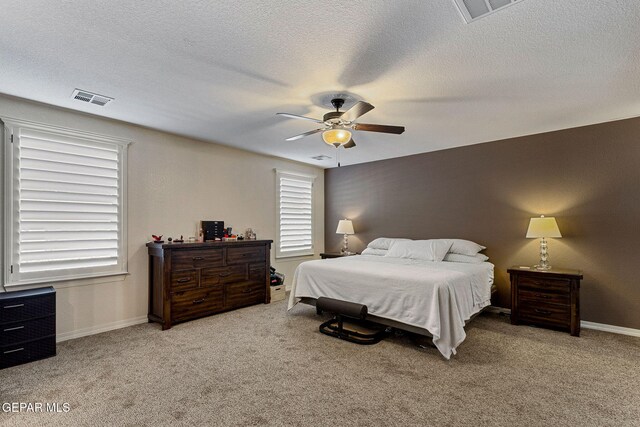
[27,326]
[550,298]
[192,280]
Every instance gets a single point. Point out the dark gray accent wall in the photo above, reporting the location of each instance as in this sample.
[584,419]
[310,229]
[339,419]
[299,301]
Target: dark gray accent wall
[588,178]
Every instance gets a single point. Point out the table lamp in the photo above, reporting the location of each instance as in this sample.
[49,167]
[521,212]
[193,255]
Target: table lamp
[543,227]
[345,227]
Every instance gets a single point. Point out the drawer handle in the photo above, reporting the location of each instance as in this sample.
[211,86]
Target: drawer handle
[246,291]
[543,296]
[198,258]
[537,310]
[14,306]
[14,329]
[224,274]
[199,301]
[185,280]
[14,351]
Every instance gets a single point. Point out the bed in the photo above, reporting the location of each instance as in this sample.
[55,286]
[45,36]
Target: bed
[424,297]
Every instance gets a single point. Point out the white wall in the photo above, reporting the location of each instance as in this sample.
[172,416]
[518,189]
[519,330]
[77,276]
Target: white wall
[174,182]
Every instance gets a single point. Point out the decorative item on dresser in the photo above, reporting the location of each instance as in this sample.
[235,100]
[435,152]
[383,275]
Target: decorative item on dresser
[192,280]
[27,326]
[326,255]
[549,298]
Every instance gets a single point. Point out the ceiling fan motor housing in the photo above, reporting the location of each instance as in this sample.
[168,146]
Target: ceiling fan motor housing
[332,115]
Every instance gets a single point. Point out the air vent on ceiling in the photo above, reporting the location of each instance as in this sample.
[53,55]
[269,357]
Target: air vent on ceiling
[92,98]
[476,9]
[321,157]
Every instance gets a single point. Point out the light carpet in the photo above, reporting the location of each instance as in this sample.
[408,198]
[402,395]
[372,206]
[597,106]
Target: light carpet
[262,366]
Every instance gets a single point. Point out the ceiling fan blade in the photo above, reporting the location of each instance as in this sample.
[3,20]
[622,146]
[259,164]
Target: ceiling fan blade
[379,128]
[302,135]
[350,144]
[356,111]
[295,116]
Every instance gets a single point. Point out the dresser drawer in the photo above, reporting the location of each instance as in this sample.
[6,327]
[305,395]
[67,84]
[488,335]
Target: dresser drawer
[244,293]
[15,310]
[196,303]
[543,296]
[28,330]
[241,254]
[221,275]
[184,279]
[547,313]
[545,284]
[258,273]
[197,258]
[17,354]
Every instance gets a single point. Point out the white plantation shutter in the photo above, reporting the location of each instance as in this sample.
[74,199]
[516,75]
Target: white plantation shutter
[295,214]
[66,213]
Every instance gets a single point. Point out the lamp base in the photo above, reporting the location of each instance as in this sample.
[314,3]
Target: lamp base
[542,267]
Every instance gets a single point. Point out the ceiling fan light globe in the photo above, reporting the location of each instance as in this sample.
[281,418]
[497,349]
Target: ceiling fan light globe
[336,136]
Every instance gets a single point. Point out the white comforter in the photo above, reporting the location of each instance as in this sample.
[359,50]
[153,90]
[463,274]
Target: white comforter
[437,296]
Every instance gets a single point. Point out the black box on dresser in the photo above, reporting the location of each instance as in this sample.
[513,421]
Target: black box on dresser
[192,280]
[27,326]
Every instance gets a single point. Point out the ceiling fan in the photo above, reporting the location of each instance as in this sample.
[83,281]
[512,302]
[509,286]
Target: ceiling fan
[338,125]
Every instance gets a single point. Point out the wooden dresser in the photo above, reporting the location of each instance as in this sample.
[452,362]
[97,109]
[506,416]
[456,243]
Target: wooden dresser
[27,326]
[192,280]
[548,298]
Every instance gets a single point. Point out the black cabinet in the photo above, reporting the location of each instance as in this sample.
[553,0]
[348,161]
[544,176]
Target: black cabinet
[27,326]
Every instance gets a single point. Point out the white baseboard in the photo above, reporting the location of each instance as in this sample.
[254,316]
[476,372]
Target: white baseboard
[99,329]
[583,324]
[610,328]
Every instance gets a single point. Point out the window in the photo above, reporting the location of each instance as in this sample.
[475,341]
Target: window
[295,214]
[65,194]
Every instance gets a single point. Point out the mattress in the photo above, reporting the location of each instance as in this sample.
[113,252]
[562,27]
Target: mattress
[436,296]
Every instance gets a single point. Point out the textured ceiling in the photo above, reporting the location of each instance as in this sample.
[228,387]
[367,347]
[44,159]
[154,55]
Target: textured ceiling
[220,71]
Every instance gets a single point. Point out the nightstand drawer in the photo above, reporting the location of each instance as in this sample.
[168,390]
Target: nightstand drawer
[548,313]
[546,284]
[542,296]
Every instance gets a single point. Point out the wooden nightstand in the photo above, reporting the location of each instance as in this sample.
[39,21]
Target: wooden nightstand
[326,255]
[550,299]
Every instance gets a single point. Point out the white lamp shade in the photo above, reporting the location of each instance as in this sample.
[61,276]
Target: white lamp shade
[345,226]
[543,227]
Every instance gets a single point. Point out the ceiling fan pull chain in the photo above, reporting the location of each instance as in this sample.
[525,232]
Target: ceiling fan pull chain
[338,155]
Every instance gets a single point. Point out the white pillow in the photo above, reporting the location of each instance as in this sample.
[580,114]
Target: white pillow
[428,250]
[374,251]
[383,243]
[465,247]
[475,259]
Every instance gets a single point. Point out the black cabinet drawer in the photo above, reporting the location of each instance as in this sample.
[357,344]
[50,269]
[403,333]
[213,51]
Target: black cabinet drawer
[27,330]
[17,309]
[27,352]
